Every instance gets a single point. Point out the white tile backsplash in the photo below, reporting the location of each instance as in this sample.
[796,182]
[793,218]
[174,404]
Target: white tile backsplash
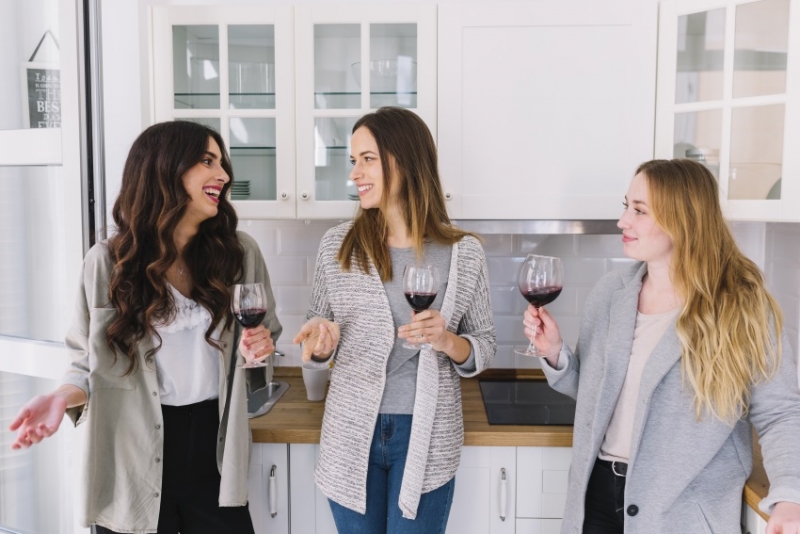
[290,250]
[782,268]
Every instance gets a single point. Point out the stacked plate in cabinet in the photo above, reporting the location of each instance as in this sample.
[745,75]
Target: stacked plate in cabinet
[240,190]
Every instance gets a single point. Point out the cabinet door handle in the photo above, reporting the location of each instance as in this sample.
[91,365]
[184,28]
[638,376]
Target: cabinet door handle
[304,195]
[284,195]
[448,195]
[503,493]
[273,493]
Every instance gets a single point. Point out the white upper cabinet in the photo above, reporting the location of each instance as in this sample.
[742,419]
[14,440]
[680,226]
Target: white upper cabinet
[352,59]
[545,108]
[232,68]
[284,86]
[729,97]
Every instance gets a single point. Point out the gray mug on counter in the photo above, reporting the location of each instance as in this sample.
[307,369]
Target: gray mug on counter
[315,378]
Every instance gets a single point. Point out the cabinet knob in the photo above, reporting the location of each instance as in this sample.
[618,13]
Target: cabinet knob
[304,195]
[284,195]
[448,195]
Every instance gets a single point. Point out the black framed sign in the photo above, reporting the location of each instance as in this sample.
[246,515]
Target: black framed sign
[41,94]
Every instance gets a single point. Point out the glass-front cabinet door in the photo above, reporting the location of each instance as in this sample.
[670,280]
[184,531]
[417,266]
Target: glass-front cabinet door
[232,69]
[729,97]
[350,60]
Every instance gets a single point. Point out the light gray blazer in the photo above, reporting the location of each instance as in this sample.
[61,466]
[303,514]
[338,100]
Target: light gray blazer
[358,303]
[684,476]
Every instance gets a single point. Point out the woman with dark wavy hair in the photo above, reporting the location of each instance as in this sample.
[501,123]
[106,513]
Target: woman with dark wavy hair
[153,348]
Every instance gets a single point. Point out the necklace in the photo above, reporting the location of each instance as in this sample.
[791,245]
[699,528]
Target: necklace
[181,270]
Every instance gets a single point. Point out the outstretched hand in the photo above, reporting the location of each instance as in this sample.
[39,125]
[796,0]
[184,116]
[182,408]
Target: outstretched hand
[319,337]
[39,418]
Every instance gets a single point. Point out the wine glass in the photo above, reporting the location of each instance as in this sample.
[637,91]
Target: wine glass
[541,280]
[249,306]
[420,285]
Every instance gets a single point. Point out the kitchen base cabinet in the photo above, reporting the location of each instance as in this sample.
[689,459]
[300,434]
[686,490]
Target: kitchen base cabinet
[311,513]
[538,526]
[752,523]
[268,488]
[542,477]
[484,499]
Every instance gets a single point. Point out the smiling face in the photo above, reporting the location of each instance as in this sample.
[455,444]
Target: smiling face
[642,238]
[367,171]
[204,183]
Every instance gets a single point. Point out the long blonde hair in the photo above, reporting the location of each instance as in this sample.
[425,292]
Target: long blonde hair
[730,326]
[407,151]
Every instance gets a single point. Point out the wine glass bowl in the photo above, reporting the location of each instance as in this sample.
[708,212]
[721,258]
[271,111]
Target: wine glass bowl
[249,307]
[420,286]
[541,280]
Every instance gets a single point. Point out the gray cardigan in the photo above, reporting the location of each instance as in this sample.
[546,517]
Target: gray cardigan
[684,476]
[358,303]
[122,471]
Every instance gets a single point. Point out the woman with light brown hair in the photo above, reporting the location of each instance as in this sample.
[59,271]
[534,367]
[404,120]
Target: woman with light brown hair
[153,348]
[393,430]
[677,356]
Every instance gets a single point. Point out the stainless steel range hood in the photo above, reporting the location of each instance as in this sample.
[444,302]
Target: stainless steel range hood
[537,226]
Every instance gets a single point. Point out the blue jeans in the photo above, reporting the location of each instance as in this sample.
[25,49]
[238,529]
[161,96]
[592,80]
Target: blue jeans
[387,460]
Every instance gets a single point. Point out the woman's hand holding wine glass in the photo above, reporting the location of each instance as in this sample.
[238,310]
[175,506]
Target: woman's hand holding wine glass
[542,330]
[427,328]
[541,280]
[249,306]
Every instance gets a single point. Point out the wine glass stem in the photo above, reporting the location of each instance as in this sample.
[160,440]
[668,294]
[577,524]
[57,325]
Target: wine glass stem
[531,346]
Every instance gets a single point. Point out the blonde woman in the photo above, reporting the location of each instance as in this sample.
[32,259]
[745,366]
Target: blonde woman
[677,356]
[392,430]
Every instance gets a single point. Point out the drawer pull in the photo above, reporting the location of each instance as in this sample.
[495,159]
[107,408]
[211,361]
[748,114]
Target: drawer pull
[503,493]
[273,493]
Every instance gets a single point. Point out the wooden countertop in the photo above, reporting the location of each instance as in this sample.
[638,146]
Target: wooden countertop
[294,419]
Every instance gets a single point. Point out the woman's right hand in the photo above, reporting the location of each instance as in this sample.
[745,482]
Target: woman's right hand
[548,338]
[319,337]
[38,419]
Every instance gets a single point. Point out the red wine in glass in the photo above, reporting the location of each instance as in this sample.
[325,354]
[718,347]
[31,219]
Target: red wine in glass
[542,296]
[420,301]
[420,286]
[250,317]
[249,307]
[541,280]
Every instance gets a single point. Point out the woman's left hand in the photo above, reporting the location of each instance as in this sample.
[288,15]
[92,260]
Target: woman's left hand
[785,519]
[256,343]
[427,326]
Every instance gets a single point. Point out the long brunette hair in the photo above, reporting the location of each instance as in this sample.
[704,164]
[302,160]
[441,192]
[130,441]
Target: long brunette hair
[150,205]
[730,326]
[408,155]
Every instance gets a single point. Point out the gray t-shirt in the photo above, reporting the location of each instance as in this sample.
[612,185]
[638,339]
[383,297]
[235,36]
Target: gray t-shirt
[401,368]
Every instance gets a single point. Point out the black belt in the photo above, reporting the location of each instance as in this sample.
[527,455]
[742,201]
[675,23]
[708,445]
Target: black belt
[618,468]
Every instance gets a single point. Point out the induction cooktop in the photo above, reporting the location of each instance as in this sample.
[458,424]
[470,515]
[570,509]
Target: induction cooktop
[525,402]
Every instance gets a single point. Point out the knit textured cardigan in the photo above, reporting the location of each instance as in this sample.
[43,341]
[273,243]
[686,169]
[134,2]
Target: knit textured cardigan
[357,302]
